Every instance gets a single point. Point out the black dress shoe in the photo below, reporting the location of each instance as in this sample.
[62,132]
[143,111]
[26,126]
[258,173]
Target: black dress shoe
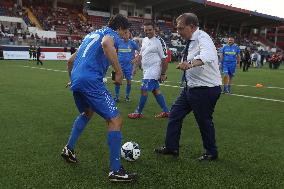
[207,157]
[164,151]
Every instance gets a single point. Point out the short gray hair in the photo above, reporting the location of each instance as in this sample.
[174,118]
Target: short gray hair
[189,19]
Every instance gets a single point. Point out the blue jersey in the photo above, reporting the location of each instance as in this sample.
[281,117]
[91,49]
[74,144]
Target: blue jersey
[230,53]
[126,52]
[91,64]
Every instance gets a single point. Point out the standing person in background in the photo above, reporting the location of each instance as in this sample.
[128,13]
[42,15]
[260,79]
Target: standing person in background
[72,50]
[230,58]
[202,90]
[31,52]
[153,54]
[126,50]
[246,60]
[34,52]
[38,53]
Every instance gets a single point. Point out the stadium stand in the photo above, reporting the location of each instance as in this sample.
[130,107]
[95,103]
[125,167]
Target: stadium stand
[72,25]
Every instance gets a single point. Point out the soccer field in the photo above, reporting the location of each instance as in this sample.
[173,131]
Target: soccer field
[37,113]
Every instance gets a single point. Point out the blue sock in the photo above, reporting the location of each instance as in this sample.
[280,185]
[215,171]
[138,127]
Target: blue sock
[117,88]
[128,89]
[142,103]
[225,88]
[161,101]
[78,126]
[114,142]
[229,88]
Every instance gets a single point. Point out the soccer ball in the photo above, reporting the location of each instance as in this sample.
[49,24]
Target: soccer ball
[105,80]
[130,151]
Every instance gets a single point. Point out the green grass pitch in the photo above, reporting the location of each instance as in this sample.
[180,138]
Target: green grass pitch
[37,113]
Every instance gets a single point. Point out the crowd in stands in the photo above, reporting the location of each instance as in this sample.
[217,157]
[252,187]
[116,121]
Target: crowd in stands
[71,25]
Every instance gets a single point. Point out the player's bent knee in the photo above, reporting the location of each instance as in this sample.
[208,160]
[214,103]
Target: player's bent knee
[156,92]
[144,93]
[115,123]
[88,114]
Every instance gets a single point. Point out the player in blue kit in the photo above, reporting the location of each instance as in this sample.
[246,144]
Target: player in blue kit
[87,68]
[230,56]
[126,51]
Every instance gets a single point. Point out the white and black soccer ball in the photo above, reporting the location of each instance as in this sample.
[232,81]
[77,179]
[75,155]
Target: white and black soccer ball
[105,80]
[130,151]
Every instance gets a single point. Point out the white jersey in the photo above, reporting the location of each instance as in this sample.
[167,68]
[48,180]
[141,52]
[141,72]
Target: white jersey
[152,51]
[202,47]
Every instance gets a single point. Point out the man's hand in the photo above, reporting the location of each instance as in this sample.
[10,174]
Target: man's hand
[68,85]
[183,66]
[163,78]
[118,77]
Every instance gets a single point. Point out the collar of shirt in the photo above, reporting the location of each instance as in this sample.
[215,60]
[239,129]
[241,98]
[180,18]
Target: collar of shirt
[195,35]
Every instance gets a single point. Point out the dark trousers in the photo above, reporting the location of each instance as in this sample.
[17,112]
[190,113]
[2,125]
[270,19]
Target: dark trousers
[201,101]
[246,65]
[38,61]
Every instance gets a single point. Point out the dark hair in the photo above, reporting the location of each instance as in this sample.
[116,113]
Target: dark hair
[149,23]
[189,19]
[118,21]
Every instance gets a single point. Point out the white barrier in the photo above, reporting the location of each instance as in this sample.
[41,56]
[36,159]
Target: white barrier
[55,55]
[12,55]
[24,55]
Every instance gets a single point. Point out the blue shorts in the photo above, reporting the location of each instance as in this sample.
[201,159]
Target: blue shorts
[127,72]
[150,84]
[100,102]
[229,68]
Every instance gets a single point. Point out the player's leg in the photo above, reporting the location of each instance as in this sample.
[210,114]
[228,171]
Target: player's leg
[226,77]
[78,126]
[232,70]
[160,100]
[117,172]
[117,90]
[128,89]
[128,76]
[142,100]
[104,105]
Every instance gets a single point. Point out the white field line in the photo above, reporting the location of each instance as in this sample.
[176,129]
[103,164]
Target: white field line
[174,86]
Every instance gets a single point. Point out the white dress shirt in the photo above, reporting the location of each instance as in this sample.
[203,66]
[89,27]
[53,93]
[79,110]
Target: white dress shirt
[202,47]
[152,51]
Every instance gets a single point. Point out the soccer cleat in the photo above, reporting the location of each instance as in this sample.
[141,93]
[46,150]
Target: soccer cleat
[127,99]
[207,157]
[135,115]
[116,100]
[121,176]
[226,92]
[69,155]
[163,115]
[164,151]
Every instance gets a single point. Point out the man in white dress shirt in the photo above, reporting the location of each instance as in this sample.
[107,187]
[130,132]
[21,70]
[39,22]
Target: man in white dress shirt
[203,80]
[154,65]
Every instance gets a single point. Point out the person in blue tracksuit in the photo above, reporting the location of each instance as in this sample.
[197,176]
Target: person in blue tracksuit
[230,58]
[126,51]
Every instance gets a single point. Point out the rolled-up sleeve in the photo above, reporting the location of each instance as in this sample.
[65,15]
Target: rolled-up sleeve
[207,49]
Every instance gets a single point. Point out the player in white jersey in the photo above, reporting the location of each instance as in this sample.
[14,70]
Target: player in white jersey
[153,54]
